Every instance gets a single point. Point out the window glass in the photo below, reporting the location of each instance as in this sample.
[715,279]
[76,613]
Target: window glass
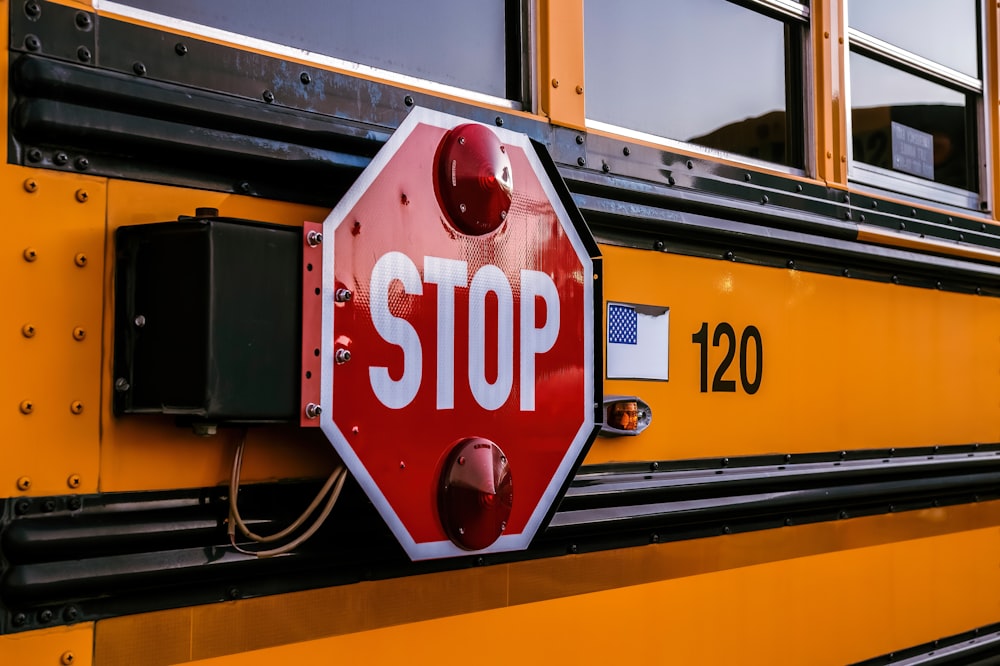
[702,71]
[456,42]
[940,30]
[938,149]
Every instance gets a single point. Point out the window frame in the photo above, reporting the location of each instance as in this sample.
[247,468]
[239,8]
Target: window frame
[798,89]
[976,92]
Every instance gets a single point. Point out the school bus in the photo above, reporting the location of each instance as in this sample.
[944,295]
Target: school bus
[711,315]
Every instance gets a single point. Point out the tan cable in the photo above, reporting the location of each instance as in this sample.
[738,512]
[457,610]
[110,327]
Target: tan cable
[338,477]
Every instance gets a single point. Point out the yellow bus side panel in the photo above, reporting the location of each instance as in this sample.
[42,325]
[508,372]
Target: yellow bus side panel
[70,646]
[847,364]
[820,593]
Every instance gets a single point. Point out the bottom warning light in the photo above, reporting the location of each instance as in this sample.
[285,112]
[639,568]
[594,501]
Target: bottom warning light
[476,493]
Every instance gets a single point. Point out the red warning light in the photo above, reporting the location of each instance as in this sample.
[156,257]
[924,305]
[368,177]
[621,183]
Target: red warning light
[474,181]
[476,493]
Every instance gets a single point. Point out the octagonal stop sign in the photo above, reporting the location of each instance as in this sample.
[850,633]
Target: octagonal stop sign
[456,344]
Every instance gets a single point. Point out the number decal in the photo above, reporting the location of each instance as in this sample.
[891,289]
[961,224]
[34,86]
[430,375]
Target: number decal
[751,333]
[719,383]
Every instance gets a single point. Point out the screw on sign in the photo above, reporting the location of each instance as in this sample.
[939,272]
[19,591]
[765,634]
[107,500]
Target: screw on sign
[458,379]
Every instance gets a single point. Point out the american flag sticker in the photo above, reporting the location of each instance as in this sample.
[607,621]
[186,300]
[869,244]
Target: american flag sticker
[637,341]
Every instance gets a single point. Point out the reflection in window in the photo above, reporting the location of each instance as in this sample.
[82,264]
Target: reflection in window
[707,72]
[462,43]
[881,95]
[916,94]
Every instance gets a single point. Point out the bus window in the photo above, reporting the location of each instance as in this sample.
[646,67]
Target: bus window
[712,73]
[916,92]
[472,45]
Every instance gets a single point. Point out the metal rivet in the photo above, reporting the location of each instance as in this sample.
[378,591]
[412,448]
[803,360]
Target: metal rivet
[654,465]
[658,245]
[579,90]
[938,284]
[22,507]
[581,161]
[121,385]
[764,199]
[727,529]
[244,187]
[83,54]
[80,259]
[32,43]
[895,279]
[70,614]
[28,331]
[408,100]
[605,167]
[83,20]
[45,616]
[74,503]
[847,272]
[790,263]
[30,254]
[788,522]
[862,218]
[305,78]
[79,334]
[73,481]
[20,619]
[82,163]
[342,295]
[76,407]
[139,321]
[32,10]
[268,96]
[27,406]
[342,356]
[843,514]
[626,151]
[314,238]
[690,164]
[24,483]
[798,187]
[313,410]
[572,548]
[747,177]
[180,48]
[579,139]
[913,212]
[34,155]
[60,158]
[555,83]
[82,195]
[30,185]
[499,122]
[139,68]
[730,256]
[671,181]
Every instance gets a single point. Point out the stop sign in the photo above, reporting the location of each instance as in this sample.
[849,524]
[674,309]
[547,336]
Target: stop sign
[457,345]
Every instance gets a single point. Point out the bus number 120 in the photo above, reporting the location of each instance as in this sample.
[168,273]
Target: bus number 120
[725,330]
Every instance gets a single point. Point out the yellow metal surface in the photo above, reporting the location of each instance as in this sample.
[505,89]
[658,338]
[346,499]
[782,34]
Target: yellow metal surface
[847,364]
[560,66]
[65,646]
[50,396]
[143,452]
[829,88]
[871,584]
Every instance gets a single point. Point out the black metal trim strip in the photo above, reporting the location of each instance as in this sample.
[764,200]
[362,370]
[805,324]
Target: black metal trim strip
[73,558]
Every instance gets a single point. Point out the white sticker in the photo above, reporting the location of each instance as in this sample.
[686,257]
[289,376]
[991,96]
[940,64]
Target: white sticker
[637,341]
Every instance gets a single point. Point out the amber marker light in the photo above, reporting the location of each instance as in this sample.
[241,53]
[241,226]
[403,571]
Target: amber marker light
[474,183]
[625,415]
[475,494]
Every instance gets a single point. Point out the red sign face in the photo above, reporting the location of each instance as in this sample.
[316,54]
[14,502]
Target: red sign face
[438,332]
